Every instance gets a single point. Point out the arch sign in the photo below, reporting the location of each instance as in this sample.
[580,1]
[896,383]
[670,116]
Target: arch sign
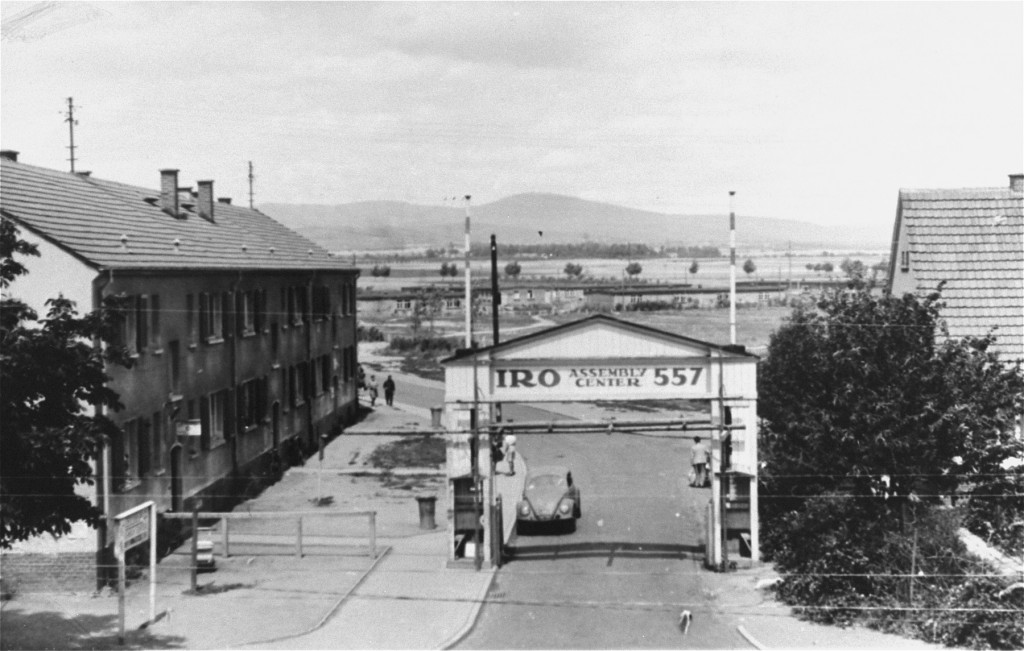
[600,358]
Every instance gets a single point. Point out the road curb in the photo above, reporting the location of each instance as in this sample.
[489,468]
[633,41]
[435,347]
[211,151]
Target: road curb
[471,620]
[749,638]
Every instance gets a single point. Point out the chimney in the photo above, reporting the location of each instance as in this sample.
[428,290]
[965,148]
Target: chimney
[1017,182]
[205,199]
[169,192]
[225,200]
[9,154]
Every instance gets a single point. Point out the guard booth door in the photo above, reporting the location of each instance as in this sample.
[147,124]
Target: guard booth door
[466,516]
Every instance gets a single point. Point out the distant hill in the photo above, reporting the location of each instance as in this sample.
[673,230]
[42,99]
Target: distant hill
[519,219]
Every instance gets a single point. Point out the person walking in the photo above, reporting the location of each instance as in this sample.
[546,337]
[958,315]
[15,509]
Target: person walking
[700,455]
[373,389]
[510,452]
[389,392]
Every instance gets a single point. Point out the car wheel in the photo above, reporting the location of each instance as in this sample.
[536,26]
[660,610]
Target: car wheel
[571,525]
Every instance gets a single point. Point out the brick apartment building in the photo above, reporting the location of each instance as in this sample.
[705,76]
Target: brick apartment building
[243,333]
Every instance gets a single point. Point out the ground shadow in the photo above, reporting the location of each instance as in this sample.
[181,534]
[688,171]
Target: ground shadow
[27,631]
[610,550]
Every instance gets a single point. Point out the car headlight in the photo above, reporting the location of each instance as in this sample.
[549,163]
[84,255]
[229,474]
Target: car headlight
[524,509]
[563,508]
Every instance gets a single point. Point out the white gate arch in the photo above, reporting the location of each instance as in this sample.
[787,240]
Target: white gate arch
[607,359]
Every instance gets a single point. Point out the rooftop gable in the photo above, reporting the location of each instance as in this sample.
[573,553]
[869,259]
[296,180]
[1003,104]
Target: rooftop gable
[599,336]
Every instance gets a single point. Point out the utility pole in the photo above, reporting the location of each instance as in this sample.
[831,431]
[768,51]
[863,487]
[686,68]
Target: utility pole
[732,268]
[251,177]
[469,288]
[70,119]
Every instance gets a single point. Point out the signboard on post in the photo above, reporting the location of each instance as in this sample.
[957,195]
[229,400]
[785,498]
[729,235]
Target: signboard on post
[132,528]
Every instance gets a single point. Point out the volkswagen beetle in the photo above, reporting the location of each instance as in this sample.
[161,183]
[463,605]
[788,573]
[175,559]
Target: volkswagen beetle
[548,496]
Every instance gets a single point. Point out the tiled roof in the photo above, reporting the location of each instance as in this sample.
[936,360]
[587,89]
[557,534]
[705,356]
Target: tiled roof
[974,240]
[90,216]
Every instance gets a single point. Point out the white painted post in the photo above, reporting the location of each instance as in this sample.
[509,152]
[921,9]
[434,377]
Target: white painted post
[152,562]
[469,287]
[225,524]
[298,540]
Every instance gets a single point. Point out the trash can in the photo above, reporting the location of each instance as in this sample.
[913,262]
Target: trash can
[427,511]
[435,417]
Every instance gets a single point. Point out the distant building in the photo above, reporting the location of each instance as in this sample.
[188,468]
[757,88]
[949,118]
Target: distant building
[685,296]
[243,334]
[971,239]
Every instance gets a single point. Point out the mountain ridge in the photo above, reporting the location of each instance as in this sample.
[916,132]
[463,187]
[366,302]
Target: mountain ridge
[538,218]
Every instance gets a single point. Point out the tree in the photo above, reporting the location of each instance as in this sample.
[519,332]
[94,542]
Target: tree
[573,270]
[47,374]
[382,270]
[862,387]
[870,415]
[449,269]
[694,267]
[513,269]
[634,269]
[854,269]
[749,267]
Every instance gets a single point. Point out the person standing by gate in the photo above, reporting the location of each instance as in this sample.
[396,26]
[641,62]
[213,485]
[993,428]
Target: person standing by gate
[510,452]
[389,392]
[699,456]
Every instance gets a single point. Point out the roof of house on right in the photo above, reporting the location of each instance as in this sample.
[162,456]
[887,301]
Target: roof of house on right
[971,239]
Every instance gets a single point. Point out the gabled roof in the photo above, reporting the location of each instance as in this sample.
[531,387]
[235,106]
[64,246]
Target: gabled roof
[973,240]
[549,342]
[88,217]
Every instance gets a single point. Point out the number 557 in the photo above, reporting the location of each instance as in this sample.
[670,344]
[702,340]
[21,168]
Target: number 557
[678,377]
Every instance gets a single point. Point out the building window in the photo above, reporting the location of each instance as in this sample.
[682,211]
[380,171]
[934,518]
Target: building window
[154,322]
[190,320]
[251,401]
[158,442]
[298,384]
[344,297]
[321,302]
[130,453]
[453,303]
[246,309]
[174,366]
[325,373]
[215,419]
[904,260]
[301,306]
[211,317]
[403,304]
[141,323]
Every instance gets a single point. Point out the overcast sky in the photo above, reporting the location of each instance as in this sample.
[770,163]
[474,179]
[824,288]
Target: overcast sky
[811,111]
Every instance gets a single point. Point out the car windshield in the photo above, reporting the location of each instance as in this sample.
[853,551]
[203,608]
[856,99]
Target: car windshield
[546,481]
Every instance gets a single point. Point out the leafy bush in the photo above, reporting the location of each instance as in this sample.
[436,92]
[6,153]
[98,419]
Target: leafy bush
[434,345]
[369,334]
[854,564]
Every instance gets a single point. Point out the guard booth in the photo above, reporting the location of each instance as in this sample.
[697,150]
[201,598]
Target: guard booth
[600,358]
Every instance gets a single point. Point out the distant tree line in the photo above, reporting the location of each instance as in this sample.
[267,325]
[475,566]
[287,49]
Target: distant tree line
[586,250]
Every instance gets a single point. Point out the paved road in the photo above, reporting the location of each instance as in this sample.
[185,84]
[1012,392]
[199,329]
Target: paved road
[621,580]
